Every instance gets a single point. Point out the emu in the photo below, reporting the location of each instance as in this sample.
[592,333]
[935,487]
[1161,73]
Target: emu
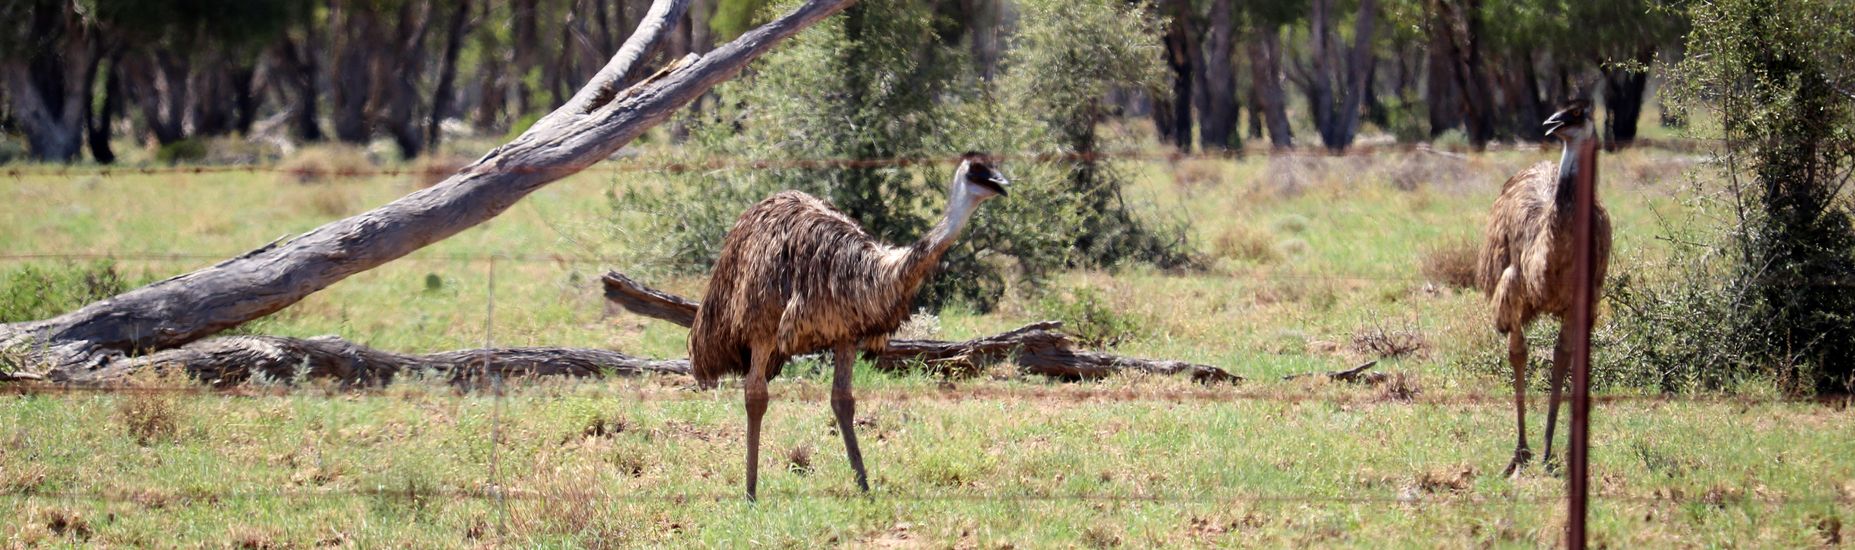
[797,276]
[1525,264]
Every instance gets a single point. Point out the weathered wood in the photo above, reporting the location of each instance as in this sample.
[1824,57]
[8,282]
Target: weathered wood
[1355,374]
[647,301]
[236,359]
[590,127]
[1037,348]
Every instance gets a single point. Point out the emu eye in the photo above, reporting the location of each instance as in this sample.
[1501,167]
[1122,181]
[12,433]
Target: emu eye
[978,173]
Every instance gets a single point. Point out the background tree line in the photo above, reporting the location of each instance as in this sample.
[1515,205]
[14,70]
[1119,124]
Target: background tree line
[78,72]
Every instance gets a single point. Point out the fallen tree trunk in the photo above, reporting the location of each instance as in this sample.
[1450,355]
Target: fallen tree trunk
[237,359]
[86,344]
[1037,348]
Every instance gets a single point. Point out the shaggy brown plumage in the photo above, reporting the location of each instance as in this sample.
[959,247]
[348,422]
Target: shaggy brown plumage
[1525,264]
[797,276]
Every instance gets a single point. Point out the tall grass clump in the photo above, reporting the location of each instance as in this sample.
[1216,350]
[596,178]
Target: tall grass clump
[1769,294]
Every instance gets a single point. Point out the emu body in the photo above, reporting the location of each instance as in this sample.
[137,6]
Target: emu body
[1525,263]
[797,276]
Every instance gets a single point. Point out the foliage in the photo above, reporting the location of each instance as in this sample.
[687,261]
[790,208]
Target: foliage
[1064,61]
[1089,317]
[883,82]
[37,291]
[183,151]
[1775,75]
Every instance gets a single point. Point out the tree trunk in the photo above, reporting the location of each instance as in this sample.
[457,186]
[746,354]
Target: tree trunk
[527,54]
[48,89]
[1172,116]
[1218,127]
[245,97]
[210,102]
[1336,113]
[1266,77]
[1458,28]
[1623,97]
[492,78]
[447,71]
[596,122]
[1530,109]
[297,60]
[399,84]
[1440,92]
[97,122]
[353,78]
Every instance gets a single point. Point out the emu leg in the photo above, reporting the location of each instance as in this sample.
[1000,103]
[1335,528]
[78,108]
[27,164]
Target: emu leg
[1517,356]
[1561,363]
[845,406]
[755,390]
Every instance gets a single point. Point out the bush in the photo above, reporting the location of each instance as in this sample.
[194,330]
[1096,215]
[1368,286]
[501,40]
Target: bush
[1770,70]
[148,418]
[1451,264]
[880,82]
[186,150]
[1088,317]
[39,291]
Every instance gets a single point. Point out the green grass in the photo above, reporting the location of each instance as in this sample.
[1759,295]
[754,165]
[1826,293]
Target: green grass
[1323,250]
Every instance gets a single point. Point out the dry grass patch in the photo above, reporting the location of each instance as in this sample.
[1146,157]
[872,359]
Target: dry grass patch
[149,418]
[332,201]
[1242,243]
[322,164]
[1451,263]
[1196,174]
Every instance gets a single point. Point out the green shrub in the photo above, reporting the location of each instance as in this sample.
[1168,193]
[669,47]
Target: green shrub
[1089,318]
[31,292]
[1773,72]
[186,150]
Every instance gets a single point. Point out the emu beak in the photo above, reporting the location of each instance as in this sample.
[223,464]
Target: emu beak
[1000,185]
[1553,123]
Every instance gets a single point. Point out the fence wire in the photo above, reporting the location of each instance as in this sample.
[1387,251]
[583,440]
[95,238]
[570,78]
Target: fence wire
[498,494]
[652,162]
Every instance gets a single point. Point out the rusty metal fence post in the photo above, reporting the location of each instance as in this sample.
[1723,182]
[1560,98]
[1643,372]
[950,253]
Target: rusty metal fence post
[1584,296]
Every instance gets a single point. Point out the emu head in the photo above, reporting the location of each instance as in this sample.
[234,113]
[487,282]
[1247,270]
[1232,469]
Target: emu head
[976,181]
[1572,122]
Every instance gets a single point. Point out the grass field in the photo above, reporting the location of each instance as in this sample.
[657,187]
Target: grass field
[1313,259]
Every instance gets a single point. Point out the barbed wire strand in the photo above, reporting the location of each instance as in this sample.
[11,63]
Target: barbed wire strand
[648,162]
[556,259]
[415,492]
[821,394]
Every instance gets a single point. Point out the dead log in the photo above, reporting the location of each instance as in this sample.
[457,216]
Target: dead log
[234,360]
[1355,374]
[605,115]
[1037,348]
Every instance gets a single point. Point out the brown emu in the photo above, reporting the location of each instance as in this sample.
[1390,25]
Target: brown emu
[1525,264]
[797,276]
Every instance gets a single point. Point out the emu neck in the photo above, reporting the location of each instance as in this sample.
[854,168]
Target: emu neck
[926,253]
[1577,166]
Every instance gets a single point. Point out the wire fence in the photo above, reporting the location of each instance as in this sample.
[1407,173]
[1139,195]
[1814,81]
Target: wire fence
[496,491]
[654,163]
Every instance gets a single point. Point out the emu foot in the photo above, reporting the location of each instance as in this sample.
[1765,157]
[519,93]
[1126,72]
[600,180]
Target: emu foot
[1522,455]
